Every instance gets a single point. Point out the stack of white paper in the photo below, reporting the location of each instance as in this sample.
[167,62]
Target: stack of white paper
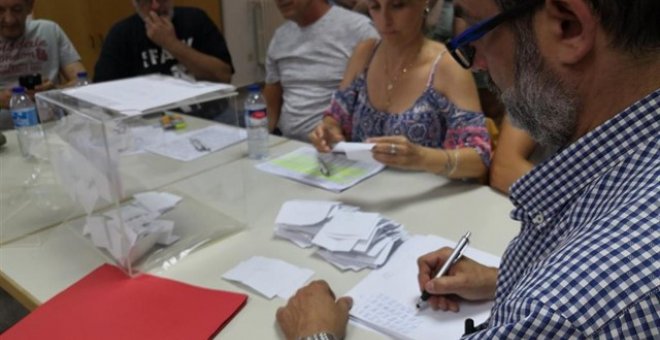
[269,277]
[299,220]
[134,96]
[385,299]
[346,237]
[142,227]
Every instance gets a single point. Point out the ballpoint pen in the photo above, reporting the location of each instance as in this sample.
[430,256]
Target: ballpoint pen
[198,145]
[455,256]
[323,166]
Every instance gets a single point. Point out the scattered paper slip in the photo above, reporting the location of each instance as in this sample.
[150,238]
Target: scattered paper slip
[346,237]
[269,277]
[142,229]
[142,94]
[198,143]
[385,299]
[302,165]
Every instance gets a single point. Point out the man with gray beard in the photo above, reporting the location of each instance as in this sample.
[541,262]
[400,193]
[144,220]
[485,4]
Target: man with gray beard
[581,76]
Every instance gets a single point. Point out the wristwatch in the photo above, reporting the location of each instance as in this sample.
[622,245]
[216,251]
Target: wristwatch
[319,336]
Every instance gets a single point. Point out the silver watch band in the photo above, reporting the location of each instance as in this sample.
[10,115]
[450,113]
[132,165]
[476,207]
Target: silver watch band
[319,336]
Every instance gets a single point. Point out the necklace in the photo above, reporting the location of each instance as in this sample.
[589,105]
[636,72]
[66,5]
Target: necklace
[393,80]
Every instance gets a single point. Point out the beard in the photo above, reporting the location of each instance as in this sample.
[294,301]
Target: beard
[539,102]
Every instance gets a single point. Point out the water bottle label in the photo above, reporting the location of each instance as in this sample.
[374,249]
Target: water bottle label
[25,117]
[256,117]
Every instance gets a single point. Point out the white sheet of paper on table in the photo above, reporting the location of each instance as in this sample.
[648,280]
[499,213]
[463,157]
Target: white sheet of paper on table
[269,277]
[302,165]
[215,137]
[385,299]
[143,137]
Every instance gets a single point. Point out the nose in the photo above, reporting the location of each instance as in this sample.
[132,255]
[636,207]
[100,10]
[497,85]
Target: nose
[387,16]
[7,18]
[155,4]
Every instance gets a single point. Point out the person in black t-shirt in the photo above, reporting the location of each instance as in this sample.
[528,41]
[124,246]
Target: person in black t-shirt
[178,41]
[161,38]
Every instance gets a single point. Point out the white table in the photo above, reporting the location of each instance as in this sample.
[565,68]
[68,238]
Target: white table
[44,264]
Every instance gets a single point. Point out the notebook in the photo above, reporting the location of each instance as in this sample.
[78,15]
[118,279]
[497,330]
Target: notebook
[107,304]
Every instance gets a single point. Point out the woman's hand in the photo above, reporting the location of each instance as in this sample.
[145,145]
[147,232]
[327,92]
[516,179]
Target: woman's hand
[398,151]
[325,136]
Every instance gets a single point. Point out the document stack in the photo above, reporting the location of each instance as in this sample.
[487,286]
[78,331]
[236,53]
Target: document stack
[346,237]
[143,228]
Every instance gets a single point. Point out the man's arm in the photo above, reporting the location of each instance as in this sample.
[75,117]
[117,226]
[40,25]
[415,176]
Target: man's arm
[510,158]
[273,96]
[202,66]
[5,96]
[69,73]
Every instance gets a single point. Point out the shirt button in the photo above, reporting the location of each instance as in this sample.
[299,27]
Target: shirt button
[538,219]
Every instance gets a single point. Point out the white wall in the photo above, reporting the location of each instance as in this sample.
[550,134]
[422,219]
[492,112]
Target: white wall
[239,32]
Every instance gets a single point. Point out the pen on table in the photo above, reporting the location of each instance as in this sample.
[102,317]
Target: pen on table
[323,166]
[198,145]
[455,255]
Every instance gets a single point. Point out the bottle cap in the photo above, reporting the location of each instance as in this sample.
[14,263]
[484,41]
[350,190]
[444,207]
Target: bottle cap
[82,74]
[254,88]
[18,90]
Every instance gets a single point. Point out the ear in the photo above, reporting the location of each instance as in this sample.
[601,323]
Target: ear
[572,29]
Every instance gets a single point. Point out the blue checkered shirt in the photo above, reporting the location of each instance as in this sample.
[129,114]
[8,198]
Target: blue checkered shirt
[586,263]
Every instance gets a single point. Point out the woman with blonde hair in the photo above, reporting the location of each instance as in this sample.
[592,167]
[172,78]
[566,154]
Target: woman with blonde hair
[406,95]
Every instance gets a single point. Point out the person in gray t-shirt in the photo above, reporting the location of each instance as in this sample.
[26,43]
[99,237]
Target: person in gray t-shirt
[306,61]
[30,47]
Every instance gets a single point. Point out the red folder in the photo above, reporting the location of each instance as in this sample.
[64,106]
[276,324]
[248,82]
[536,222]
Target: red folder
[106,304]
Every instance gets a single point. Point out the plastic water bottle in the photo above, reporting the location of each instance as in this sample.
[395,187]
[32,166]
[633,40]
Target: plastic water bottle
[26,120]
[82,79]
[256,123]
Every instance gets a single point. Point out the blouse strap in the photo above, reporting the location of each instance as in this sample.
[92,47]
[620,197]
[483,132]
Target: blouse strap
[371,57]
[433,68]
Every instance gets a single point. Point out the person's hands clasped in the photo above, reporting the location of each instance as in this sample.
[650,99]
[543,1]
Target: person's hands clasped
[324,137]
[312,310]
[46,85]
[160,29]
[466,279]
[397,151]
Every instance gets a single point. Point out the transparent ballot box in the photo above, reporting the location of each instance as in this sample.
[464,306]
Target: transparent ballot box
[97,165]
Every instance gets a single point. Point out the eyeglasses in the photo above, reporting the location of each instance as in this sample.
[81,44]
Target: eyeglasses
[460,47]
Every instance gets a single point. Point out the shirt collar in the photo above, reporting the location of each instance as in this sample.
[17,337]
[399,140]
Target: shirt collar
[542,193]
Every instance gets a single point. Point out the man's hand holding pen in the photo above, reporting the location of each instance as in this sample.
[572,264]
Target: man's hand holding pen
[466,279]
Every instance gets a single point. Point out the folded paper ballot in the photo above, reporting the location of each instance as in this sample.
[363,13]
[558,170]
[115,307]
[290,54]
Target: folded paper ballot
[142,227]
[107,304]
[346,237]
[269,277]
[356,151]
